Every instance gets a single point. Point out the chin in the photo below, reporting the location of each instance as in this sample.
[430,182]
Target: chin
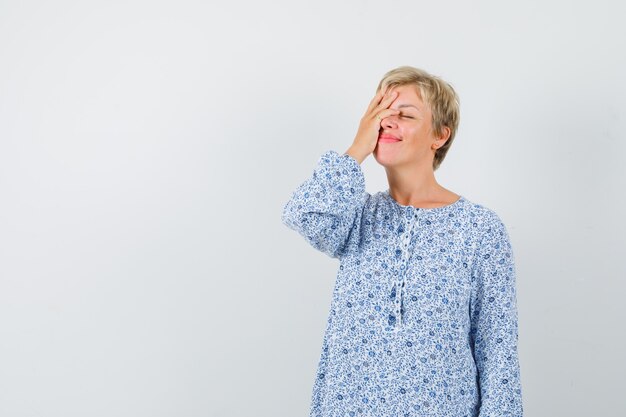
[386,157]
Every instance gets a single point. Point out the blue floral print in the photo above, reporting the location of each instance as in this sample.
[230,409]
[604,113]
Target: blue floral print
[423,318]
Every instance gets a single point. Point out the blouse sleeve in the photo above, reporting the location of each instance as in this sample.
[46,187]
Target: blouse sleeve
[328,207]
[494,327]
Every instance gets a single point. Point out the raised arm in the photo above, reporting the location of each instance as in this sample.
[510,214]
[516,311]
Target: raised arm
[494,327]
[327,208]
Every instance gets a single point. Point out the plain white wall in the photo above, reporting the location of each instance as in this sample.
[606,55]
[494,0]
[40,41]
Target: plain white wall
[147,149]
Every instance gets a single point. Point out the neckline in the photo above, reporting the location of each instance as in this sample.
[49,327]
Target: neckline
[427,210]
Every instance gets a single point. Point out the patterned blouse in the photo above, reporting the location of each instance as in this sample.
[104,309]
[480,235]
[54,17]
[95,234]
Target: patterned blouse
[423,317]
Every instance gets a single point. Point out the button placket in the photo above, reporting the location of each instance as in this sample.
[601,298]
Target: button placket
[399,283]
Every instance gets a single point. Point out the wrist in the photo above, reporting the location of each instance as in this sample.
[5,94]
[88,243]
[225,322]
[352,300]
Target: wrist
[357,153]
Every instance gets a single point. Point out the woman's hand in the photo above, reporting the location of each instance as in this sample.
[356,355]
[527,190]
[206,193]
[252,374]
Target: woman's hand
[367,135]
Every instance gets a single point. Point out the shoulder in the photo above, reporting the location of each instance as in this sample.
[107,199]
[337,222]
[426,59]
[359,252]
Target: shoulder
[486,223]
[481,213]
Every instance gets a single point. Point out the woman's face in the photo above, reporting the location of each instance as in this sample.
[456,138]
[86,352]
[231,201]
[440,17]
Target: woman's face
[412,126]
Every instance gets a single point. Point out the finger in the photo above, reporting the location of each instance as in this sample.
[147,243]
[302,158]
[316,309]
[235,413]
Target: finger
[389,98]
[386,101]
[375,101]
[386,113]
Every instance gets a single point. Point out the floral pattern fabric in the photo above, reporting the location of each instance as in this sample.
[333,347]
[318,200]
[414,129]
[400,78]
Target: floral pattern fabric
[423,317]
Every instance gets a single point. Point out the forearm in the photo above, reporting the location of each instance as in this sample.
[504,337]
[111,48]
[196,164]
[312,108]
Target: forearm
[327,207]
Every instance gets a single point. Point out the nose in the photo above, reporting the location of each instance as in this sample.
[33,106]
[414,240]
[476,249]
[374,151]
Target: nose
[389,121]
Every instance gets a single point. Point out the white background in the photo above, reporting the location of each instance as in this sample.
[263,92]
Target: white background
[147,149]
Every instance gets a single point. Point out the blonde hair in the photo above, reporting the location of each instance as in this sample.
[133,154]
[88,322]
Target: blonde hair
[436,93]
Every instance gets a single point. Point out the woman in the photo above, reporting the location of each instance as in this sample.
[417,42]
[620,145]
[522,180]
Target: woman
[423,319]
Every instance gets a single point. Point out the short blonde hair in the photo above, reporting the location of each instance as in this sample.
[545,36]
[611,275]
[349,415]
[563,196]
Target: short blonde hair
[436,93]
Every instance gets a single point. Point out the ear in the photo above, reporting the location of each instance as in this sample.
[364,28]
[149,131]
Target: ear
[445,134]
